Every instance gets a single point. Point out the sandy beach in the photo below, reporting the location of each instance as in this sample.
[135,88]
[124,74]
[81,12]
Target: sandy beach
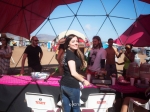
[48,61]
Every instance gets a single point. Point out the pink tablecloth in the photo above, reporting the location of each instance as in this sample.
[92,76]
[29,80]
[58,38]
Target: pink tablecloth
[24,80]
[53,81]
[127,88]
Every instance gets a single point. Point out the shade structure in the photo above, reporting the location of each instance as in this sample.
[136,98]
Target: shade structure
[22,17]
[146,1]
[66,33]
[137,34]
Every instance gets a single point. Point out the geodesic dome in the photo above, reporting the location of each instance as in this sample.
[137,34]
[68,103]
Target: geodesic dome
[108,19]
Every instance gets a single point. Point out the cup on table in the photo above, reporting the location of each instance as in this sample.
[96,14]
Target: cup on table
[146,80]
[113,80]
[89,77]
[138,81]
[132,81]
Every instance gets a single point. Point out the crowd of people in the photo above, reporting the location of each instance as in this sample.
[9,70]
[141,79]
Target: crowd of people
[71,60]
[99,59]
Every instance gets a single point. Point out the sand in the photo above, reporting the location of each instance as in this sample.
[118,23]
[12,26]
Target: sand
[48,60]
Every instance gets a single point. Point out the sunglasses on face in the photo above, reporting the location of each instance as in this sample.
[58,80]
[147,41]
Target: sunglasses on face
[127,48]
[36,40]
[2,39]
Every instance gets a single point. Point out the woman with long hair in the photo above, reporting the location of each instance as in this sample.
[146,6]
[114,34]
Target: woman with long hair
[72,63]
[5,54]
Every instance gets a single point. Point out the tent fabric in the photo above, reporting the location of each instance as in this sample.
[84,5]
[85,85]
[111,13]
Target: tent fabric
[146,1]
[22,17]
[137,34]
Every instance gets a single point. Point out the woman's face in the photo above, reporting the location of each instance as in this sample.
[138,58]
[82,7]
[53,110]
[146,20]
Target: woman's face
[73,44]
[3,40]
[128,49]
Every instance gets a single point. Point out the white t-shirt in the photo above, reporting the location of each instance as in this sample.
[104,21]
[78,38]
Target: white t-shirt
[96,56]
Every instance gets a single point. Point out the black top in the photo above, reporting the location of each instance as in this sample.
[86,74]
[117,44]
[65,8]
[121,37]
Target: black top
[61,46]
[67,79]
[33,55]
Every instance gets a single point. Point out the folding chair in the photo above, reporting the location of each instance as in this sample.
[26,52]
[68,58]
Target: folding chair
[41,102]
[98,102]
[145,106]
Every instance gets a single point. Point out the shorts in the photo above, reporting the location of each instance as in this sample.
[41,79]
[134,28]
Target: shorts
[91,72]
[111,69]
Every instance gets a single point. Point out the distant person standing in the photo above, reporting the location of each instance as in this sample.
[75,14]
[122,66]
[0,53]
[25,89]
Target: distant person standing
[5,54]
[129,57]
[34,54]
[112,53]
[97,56]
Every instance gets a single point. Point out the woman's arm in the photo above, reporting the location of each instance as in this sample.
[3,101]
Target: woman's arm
[79,77]
[119,63]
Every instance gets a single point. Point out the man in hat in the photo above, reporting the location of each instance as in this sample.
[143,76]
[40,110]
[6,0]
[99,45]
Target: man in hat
[34,54]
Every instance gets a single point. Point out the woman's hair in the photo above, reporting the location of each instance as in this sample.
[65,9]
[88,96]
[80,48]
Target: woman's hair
[99,39]
[77,52]
[129,46]
[7,41]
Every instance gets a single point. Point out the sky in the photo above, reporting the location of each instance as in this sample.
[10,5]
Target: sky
[91,18]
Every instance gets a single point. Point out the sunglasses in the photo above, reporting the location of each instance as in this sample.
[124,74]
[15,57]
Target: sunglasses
[127,48]
[2,39]
[36,40]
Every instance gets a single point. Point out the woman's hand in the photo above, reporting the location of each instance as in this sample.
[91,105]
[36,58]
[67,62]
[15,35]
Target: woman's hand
[86,83]
[125,53]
